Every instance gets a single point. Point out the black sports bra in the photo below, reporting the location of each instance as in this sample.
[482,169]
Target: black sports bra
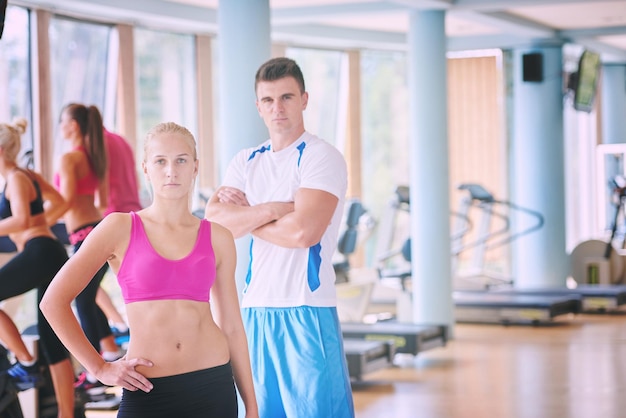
[36,206]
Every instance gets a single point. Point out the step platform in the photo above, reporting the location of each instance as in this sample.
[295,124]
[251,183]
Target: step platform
[407,338]
[506,309]
[599,298]
[106,402]
[367,356]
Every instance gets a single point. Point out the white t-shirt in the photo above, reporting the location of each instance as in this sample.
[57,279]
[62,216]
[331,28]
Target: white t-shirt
[287,277]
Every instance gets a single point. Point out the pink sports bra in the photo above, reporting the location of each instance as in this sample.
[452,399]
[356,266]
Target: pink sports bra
[84,186]
[145,275]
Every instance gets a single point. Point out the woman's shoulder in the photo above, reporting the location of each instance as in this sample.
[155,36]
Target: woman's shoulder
[70,158]
[221,237]
[116,220]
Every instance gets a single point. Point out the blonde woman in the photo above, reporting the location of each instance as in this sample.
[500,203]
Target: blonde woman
[28,205]
[187,347]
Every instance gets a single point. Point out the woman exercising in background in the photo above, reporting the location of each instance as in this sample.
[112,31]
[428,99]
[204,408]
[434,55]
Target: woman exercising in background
[28,206]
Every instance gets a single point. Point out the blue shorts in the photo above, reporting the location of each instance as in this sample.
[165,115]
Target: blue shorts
[298,363]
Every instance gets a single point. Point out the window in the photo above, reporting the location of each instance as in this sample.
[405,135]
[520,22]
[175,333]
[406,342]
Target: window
[322,75]
[78,67]
[166,85]
[15,72]
[384,128]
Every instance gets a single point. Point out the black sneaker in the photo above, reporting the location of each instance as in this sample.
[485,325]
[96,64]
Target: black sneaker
[25,377]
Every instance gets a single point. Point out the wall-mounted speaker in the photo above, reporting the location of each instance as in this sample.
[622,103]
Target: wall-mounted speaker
[532,67]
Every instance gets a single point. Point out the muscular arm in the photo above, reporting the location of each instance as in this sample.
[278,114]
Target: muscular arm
[229,207]
[305,226]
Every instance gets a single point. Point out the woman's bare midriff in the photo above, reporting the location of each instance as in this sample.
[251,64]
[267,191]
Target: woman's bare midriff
[82,212]
[177,336]
[38,228]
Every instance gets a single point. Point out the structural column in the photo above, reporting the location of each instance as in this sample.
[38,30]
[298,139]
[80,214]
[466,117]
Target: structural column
[244,44]
[613,103]
[537,167]
[428,137]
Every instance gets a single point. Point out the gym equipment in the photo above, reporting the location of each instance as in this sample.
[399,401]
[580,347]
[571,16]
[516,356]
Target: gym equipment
[483,305]
[597,261]
[400,203]
[480,199]
[367,356]
[407,338]
[9,402]
[596,298]
[489,207]
[494,307]
[499,304]
[371,347]
[348,239]
[45,404]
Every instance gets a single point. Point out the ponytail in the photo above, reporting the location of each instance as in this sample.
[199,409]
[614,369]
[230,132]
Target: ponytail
[91,127]
[94,142]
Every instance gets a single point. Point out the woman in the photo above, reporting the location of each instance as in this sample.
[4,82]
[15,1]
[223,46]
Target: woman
[176,273]
[82,172]
[28,206]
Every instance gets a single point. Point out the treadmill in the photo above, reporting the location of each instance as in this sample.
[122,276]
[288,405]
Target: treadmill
[495,307]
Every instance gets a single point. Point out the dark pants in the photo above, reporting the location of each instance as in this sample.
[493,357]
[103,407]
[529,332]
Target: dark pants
[93,321]
[199,394]
[34,268]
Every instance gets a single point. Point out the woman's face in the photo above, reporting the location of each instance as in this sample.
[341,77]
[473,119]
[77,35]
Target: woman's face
[170,165]
[67,125]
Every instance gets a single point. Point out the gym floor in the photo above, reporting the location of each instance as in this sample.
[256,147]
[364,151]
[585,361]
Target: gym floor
[574,368]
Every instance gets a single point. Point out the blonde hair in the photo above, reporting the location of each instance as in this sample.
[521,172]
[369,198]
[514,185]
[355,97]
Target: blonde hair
[10,137]
[170,128]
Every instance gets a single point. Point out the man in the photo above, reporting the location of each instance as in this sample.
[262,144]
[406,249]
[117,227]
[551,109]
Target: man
[122,192]
[289,194]
[123,186]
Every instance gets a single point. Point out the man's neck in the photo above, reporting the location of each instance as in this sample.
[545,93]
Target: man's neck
[283,140]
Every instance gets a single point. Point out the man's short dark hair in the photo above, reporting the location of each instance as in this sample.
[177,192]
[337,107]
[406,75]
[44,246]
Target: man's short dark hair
[278,68]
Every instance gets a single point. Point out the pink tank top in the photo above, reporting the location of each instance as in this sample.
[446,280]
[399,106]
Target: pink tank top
[145,275]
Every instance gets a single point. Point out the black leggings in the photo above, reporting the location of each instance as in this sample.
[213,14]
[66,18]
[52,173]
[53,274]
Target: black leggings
[200,394]
[35,267]
[92,319]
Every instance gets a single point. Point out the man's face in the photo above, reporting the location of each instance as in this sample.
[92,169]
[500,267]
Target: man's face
[280,103]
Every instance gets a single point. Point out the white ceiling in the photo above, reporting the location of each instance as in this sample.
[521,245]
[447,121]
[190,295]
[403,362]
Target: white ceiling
[470,24]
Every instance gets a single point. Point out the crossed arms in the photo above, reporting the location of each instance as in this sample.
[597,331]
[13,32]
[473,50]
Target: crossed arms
[297,224]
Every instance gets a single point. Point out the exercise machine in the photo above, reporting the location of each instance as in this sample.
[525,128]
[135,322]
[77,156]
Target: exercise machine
[499,302]
[513,308]
[487,239]
[599,261]
[480,304]
[371,347]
